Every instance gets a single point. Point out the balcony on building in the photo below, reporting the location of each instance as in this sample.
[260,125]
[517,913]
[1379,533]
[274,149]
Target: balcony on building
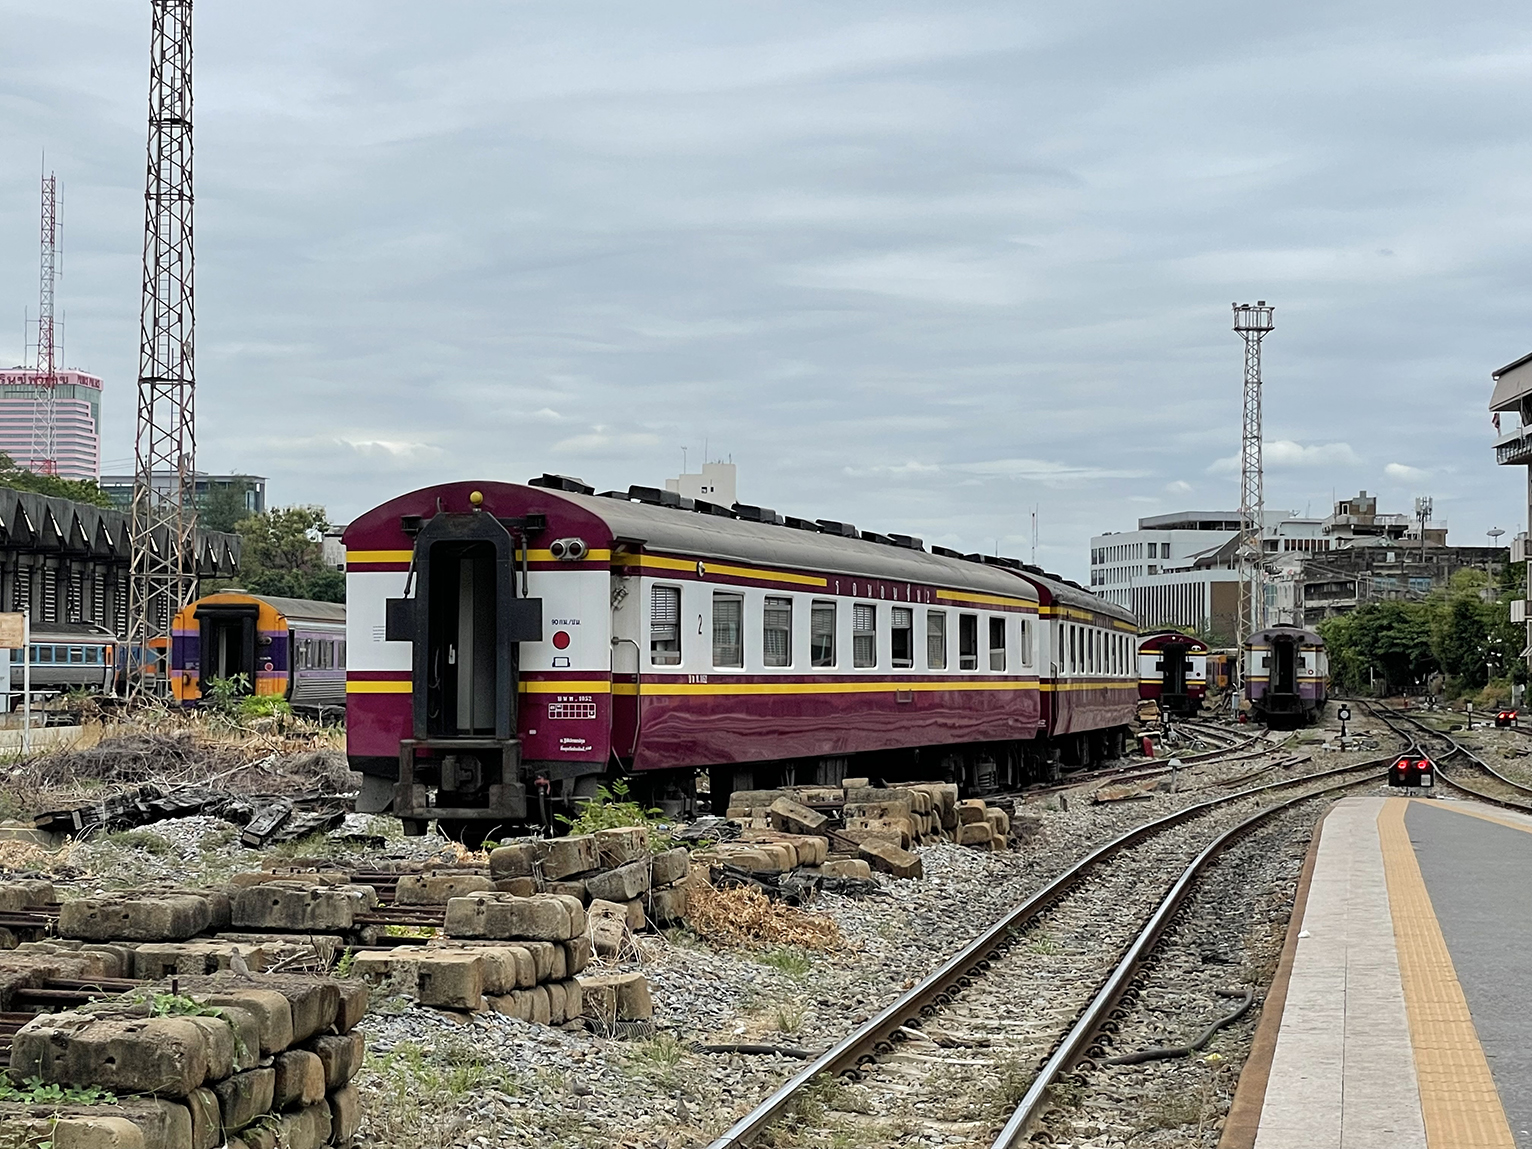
[1513,395]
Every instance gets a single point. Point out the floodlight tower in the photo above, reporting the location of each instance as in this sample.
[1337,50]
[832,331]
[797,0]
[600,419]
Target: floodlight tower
[44,457]
[1253,323]
[164,575]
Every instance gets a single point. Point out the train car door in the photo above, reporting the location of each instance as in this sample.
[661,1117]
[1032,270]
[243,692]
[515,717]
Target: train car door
[1284,668]
[1173,681]
[227,634]
[463,683]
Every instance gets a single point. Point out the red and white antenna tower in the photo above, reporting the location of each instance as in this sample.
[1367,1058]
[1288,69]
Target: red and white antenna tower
[45,455]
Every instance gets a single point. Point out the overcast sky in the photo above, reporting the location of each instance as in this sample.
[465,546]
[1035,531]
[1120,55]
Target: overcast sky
[920,266]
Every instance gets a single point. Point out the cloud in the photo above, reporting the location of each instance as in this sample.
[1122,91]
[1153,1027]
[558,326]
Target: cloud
[1045,471]
[1404,473]
[910,470]
[1284,454]
[920,266]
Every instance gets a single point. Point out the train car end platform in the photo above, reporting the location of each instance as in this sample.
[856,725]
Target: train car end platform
[1401,1013]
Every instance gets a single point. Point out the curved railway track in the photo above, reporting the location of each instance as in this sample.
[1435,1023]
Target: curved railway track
[1502,791]
[972,1020]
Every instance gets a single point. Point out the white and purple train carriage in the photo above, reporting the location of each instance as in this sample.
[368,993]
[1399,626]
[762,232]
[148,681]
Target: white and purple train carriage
[1286,675]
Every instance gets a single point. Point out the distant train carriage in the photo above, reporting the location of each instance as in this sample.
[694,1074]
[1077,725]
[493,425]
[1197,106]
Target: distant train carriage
[67,656]
[1172,670]
[289,648]
[1220,669]
[1286,674]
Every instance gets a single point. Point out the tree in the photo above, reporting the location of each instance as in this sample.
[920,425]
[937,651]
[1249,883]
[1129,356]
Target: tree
[1388,641]
[224,507]
[282,555]
[18,478]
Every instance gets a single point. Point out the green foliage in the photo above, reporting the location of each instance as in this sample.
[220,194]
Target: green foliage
[787,959]
[223,507]
[1462,631]
[611,809]
[18,478]
[224,694]
[282,555]
[178,1005]
[1382,643]
[263,706]
[36,1091]
[347,960]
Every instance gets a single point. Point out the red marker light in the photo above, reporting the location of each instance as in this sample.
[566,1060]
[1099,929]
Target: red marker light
[561,639]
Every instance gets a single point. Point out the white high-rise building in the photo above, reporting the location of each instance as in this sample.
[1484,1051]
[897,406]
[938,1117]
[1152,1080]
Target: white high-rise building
[77,416]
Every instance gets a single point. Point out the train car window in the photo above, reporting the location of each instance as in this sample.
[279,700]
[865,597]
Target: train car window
[1025,640]
[822,634]
[777,632]
[902,633]
[44,654]
[343,652]
[936,640]
[864,634]
[997,643]
[968,642]
[665,626]
[728,629]
[77,654]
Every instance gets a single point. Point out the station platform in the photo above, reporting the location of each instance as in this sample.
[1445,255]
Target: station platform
[1400,1016]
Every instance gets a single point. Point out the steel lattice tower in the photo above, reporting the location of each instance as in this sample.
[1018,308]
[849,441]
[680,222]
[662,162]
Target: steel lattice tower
[1252,323]
[44,457]
[164,484]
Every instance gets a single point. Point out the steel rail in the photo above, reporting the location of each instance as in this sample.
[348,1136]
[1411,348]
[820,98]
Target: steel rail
[1076,1042]
[1458,748]
[970,962]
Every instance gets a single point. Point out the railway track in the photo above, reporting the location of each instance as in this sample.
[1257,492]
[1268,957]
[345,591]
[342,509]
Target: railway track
[1490,784]
[1027,1000]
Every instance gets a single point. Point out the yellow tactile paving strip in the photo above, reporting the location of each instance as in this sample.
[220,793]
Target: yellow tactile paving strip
[1458,1099]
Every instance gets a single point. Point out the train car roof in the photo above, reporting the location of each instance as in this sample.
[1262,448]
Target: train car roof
[1160,637]
[1066,593]
[292,609]
[1308,636]
[51,630]
[775,544]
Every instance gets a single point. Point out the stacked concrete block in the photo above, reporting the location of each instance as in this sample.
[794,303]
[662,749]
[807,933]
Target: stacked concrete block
[299,905]
[532,979]
[268,1063]
[147,916]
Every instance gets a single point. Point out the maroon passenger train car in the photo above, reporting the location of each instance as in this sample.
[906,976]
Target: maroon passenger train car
[511,647]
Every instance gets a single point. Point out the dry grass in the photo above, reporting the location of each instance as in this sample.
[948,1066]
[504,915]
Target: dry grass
[171,749]
[748,918]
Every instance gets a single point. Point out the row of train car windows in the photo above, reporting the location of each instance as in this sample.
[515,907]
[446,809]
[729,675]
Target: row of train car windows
[777,634]
[321,654]
[1091,650]
[82,655]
